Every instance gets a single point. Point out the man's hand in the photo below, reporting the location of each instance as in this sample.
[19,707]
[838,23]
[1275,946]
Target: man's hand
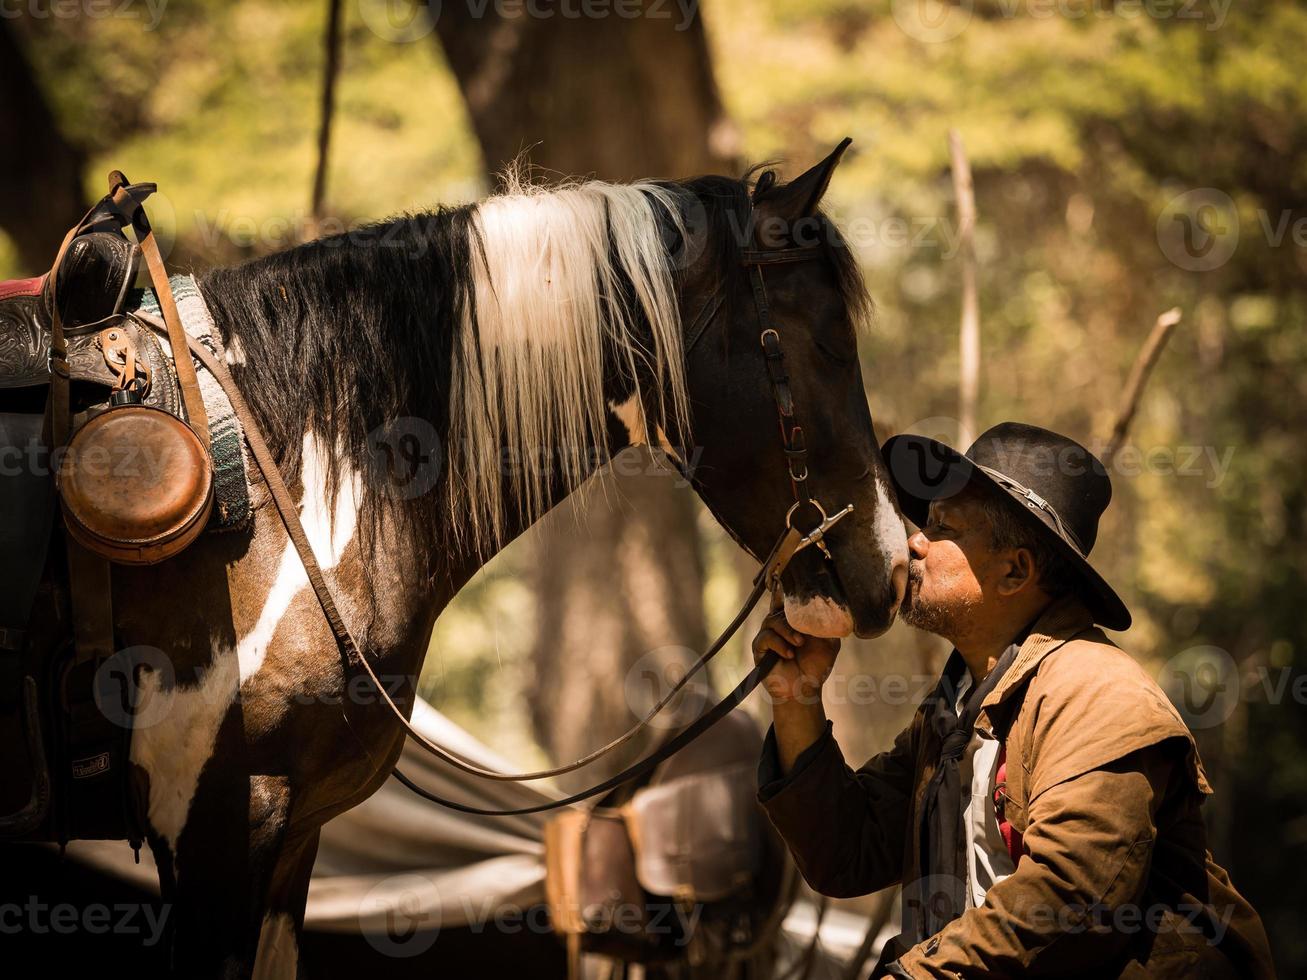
[806,661]
[794,684]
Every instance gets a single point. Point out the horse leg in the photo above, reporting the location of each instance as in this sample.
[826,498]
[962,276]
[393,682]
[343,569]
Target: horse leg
[226,866]
[278,953]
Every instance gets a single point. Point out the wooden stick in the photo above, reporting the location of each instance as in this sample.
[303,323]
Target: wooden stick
[969,332]
[1134,386]
[330,70]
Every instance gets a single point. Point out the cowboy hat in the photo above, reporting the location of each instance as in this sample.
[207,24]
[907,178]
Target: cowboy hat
[1060,488]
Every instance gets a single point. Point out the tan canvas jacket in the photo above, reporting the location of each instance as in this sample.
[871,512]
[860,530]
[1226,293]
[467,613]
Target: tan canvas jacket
[1104,782]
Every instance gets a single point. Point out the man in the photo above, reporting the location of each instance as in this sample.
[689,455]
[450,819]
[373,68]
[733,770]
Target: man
[1042,809]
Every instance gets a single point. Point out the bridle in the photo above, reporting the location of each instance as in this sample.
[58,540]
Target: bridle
[791,541]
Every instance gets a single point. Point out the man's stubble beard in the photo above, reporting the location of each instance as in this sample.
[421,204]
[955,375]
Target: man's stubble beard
[946,620]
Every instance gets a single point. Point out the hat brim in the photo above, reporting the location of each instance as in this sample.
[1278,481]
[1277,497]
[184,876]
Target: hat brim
[923,470]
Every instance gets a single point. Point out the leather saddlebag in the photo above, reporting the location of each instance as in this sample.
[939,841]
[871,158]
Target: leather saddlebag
[594,898]
[696,837]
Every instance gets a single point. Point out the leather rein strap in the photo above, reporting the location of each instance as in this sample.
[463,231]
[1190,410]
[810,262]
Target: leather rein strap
[790,542]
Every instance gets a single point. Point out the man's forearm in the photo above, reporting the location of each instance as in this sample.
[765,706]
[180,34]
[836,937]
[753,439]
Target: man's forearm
[797,725]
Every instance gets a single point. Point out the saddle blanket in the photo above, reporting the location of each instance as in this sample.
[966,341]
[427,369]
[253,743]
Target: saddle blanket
[231,487]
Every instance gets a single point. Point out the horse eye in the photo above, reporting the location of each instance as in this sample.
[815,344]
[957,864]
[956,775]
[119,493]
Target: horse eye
[843,357]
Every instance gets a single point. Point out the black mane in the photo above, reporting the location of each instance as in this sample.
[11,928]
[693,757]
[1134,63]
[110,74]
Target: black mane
[344,336]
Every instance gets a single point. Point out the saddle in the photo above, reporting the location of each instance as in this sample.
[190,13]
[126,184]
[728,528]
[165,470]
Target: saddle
[684,869]
[82,386]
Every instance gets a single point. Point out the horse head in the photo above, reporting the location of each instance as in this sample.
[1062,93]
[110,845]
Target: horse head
[750,467]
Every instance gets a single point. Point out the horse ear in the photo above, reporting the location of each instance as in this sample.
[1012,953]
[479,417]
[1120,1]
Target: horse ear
[780,207]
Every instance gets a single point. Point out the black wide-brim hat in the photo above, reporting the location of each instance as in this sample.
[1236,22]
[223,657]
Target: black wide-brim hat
[1059,487]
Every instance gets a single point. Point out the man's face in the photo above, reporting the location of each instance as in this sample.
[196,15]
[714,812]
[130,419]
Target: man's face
[952,561]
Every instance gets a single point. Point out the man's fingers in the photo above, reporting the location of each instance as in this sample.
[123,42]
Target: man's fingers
[771,640]
[777,621]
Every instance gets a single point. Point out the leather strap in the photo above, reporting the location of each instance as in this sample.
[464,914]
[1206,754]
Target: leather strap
[196,416]
[88,574]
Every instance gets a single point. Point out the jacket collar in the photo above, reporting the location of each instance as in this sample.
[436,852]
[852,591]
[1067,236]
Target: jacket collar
[1063,620]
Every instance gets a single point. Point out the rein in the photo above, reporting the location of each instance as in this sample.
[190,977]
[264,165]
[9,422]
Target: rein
[790,542]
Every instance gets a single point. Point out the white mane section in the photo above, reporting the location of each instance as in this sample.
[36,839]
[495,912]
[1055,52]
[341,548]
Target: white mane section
[527,395]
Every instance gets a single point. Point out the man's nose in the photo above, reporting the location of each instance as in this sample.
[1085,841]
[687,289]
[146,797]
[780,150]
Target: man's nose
[918,545]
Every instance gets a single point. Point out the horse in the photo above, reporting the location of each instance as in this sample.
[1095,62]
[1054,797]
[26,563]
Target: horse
[430,386]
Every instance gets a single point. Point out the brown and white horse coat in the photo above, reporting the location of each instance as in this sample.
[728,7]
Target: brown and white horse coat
[516,344]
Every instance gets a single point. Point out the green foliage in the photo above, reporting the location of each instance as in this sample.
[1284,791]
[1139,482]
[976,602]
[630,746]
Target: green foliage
[1083,129]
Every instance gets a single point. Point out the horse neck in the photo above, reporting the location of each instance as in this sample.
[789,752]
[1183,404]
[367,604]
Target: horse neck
[393,368]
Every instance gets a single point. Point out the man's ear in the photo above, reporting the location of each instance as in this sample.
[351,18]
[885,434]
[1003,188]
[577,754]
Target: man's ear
[1019,573]
[780,208]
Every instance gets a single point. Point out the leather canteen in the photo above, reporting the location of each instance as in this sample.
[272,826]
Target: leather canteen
[135,485]
[696,837]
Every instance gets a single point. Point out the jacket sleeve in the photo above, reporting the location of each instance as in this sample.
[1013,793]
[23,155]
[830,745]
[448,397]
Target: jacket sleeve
[844,828]
[1089,843]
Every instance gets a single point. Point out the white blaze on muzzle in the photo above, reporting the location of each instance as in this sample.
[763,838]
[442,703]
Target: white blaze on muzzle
[818,616]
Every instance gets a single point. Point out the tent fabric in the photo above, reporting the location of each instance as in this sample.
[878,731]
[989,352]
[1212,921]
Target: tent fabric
[398,854]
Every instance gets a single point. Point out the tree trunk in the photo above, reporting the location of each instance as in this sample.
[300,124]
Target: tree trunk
[40,172]
[619,584]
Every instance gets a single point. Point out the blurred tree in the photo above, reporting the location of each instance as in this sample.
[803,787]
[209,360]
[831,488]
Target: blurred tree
[40,172]
[618,576]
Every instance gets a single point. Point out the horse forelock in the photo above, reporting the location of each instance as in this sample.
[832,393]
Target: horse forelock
[567,281]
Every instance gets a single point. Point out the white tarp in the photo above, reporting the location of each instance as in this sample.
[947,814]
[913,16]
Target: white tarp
[397,854]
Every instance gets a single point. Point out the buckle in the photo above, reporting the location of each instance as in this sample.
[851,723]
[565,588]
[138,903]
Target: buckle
[817,536]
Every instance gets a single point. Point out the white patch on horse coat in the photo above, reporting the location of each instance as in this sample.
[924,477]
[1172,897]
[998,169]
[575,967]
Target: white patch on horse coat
[278,953]
[631,414]
[892,542]
[329,530]
[235,356]
[818,616]
[174,748]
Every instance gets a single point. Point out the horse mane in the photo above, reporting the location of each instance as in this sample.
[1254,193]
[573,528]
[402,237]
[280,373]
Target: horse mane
[491,325]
